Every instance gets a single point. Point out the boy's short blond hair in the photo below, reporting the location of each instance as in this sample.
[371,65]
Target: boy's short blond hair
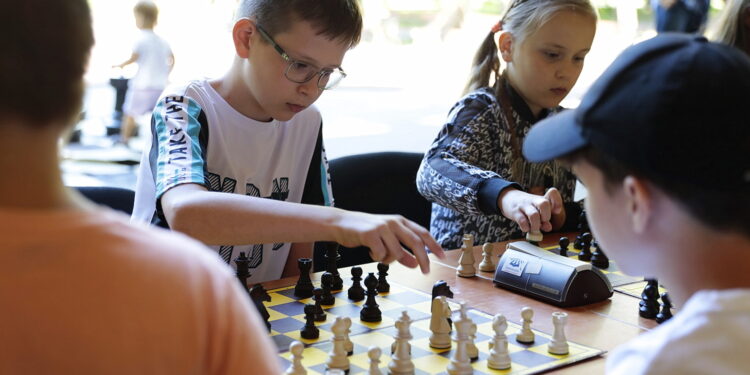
[336,19]
[148,10]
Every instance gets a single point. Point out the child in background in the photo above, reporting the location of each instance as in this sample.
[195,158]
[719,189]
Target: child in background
[732,26]
[667,198]
[82,290]
[474,172]
[238,162]
[155,61]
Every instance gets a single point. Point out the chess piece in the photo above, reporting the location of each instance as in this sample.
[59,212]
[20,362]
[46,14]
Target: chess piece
[370,311]
[563,243]
[337,358]
[326,281]
[440,328]
[356,292]
[401,358]
[649,305]
[348,344]
[526,336]
[441,288]
[585,254]
[471,348]
[320,314]
[243,270]
[666,309]
[466,261]
[258,294]
[583,222]
[310,331]
[332,256]
[383,286]
[578,243]
[296,368]
[373,353]
[598,258]
[460,363]
[499,358]
[559,344]
[487,265]
[534,237]
[304,286]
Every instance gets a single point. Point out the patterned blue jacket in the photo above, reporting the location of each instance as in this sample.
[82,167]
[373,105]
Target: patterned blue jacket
[477,155]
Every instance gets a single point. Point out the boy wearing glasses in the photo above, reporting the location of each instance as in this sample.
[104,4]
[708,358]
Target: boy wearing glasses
[254,132]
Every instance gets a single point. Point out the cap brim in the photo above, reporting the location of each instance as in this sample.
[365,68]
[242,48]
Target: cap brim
[553,137]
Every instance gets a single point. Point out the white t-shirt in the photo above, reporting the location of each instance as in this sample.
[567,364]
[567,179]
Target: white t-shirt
[709,335]
[154,55]
[88,293]
[197,137]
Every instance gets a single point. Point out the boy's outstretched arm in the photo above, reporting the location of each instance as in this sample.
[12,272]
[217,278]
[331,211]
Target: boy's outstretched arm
[219,218]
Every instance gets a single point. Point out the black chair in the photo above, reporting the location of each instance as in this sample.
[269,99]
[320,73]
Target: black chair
[377,183]
[119,199]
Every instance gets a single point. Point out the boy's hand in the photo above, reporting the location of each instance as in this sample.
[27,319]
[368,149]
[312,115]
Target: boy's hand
[532,212]
[384,234]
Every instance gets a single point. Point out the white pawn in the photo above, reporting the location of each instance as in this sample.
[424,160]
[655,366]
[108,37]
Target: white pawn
[466,262]
[527,335]
[337,356]
[499,358]
[535,236]
[559,344]
[486,265]
[374,354]
[348,344]
[296,367]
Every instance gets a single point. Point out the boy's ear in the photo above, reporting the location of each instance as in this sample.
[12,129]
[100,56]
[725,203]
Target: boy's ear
[242,34]
[639,203]
[505,45]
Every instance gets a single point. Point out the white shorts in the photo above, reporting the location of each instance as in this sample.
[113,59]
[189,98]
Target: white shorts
[140,101]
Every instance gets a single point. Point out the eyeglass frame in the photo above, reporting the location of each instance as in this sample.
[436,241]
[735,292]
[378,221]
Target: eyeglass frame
[290,61]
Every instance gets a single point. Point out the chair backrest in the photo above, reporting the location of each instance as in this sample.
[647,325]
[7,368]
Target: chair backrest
[119,199]
[377,183]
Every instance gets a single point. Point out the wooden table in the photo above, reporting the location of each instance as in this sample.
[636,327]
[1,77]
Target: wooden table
[603,325]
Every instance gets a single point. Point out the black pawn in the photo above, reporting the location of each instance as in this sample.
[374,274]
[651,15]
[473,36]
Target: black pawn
[383,286]
[666,309]
[325,281]
[259,294]
[356,292]
[578,243]
[310,331]
[332,258]
[598,258]
[585,254]
[649,305]
[243,269]
[320,314]
[563,249]
[304,287]
[370,311]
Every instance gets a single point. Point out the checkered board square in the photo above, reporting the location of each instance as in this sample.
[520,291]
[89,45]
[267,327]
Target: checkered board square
[287,319]
[616,277]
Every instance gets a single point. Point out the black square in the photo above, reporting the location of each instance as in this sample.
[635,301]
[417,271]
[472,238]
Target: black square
[286,325]
[528,358]
[289,309]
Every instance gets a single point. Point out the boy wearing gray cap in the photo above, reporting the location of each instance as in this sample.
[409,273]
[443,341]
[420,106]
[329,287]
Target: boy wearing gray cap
[662,142]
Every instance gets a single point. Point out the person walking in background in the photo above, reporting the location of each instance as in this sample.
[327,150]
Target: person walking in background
[732,26]
[684,16]
[155,61]
[474,173]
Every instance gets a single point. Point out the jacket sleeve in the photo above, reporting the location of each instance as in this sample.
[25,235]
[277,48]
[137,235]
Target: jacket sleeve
[458,170]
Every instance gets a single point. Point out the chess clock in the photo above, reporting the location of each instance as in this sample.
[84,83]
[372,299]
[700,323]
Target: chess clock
[549,277]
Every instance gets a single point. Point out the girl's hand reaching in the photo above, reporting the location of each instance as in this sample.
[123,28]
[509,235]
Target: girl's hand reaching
[532,212]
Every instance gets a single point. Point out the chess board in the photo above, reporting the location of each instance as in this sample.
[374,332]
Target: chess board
[287,318]
[616,277]
[635,289]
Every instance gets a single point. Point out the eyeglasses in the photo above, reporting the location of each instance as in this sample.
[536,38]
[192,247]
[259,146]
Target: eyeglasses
[301,72]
